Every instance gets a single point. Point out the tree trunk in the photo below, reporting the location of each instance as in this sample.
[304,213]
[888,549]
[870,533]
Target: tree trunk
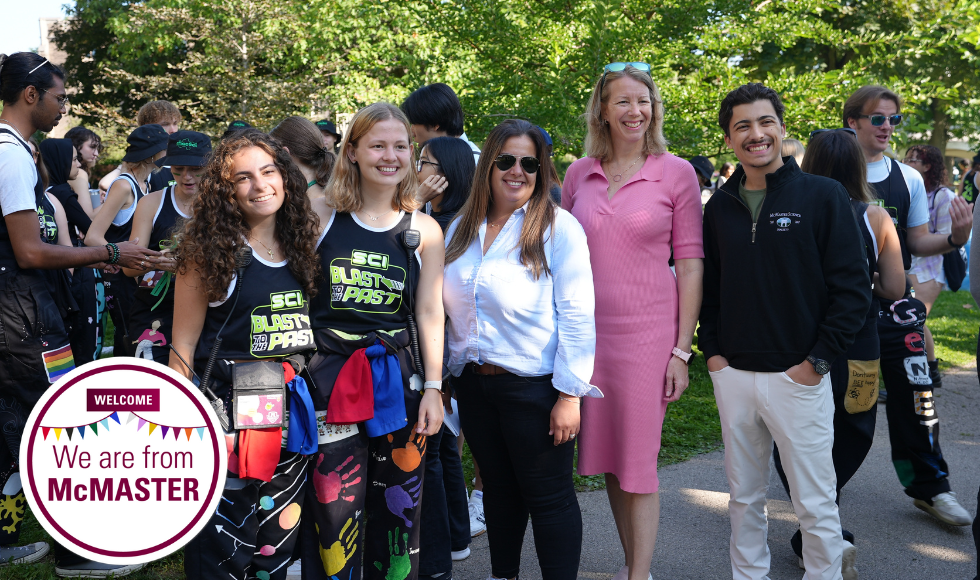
[940,126]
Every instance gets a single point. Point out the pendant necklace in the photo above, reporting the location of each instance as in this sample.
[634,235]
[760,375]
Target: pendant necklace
[373,218]
[267,248]
[619,176]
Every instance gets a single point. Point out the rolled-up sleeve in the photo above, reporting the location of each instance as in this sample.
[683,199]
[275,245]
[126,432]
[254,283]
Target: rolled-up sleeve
[574,301]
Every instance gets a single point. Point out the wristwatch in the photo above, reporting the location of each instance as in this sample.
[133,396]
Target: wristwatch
[821,366]
[684,356]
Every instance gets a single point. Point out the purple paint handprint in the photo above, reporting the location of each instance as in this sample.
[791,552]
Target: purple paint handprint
[399,500]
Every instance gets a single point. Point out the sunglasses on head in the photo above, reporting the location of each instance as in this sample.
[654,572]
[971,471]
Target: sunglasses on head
[619,67]
[528,164]
[879,120]
[844,129]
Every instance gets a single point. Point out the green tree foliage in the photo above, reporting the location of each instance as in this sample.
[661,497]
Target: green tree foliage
[533,59]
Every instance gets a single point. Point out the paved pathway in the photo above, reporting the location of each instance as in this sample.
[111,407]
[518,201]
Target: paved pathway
[895,540]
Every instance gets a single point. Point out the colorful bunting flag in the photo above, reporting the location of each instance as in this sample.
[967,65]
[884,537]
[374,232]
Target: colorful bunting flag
[81,431]
[153,427]
[69,430]
[95,428]
[187,431]
[200,433]
[115,418]
[57,433]
[44,431]
[165,429]
[141,423]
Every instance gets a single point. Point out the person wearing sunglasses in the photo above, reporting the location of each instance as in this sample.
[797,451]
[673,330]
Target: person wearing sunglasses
[835,153]
[519,296]
[873,112]
[158,217]
[637,203]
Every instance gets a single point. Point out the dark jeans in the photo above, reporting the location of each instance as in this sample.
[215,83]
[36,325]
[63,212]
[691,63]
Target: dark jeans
[445,525]
[506,419]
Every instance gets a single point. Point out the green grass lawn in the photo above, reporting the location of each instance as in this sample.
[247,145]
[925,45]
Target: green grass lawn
[690,427]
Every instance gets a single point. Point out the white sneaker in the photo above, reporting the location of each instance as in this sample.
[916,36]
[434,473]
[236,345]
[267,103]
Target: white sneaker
[847,569]
[946,509]
[478,523]
[461,554]
[23,554]
[97,570]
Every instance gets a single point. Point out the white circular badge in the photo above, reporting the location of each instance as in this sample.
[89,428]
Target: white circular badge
[123,461]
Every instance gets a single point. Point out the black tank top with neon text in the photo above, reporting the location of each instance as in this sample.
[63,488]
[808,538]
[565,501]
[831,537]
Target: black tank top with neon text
[365,270]
[271,318]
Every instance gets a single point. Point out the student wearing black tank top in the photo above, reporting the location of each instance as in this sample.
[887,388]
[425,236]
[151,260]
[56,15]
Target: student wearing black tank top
[854,375]
[114,221]
[373,423]
[252,203]
[159,217]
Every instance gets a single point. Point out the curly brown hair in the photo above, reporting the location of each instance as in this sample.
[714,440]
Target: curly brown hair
[936,176]
[218,229]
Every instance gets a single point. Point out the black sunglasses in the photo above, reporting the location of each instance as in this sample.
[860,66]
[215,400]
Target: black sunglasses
[620,66]
[844,129]
[528,164]
[422,162]
[879,120]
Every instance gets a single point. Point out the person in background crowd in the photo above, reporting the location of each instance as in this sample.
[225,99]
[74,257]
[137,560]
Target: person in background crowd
[835,153]
[726,171]
[314,158]
[874,112]
[969,187]
[159,216]
[114,221]
[89,147]
[234,127]
[926,274]
[704,170]
[252,236]
[34,99]
[87,328]
[435,111]
[637,203]
[555,178]
[517,264]
[377,373]
[445,171]
[771,378]
[329,133]
[793,148]
[975,290]
[165,114]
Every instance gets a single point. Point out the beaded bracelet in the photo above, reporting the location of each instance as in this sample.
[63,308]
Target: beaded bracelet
[113,253]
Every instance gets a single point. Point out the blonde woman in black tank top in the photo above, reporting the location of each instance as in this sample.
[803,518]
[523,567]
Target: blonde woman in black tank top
[373,462]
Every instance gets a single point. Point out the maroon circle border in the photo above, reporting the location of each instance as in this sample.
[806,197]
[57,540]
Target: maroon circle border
[112,553]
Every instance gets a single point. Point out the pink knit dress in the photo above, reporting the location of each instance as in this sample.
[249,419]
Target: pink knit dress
[630,239]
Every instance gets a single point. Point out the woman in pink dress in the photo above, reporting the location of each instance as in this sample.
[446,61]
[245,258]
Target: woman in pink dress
[636,202]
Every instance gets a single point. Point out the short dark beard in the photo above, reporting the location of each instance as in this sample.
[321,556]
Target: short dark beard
[38,122]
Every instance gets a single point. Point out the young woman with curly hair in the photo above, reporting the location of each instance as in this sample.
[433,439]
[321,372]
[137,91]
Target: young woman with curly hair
[249,249]
[927,274]
[368,389]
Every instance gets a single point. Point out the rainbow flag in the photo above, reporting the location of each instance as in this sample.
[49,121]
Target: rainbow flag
[58,362]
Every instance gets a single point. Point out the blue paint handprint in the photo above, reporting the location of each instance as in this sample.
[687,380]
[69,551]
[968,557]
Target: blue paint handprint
[399,500]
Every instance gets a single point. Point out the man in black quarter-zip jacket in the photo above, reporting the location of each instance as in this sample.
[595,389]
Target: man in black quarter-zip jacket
[786,289]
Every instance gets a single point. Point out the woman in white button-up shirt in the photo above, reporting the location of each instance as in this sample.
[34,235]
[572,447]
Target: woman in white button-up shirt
[519,296]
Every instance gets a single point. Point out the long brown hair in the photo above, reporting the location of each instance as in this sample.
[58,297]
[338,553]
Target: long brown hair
[837,155]
[344,190]
[305,144]
[541,208]
[218,229]
[929,155]
[598,142]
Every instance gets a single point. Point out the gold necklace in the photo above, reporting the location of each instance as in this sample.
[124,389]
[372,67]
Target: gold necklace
[374,219]
[272,256]
[493,225]
[619,176]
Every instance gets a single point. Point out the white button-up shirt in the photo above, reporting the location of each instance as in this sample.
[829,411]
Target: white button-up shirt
[499,314]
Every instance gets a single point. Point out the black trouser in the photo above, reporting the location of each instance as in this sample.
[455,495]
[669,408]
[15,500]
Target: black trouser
[119,291]
[366,492]
[445,515]
[254,529]
[506,419]
[89,325]
[913,421]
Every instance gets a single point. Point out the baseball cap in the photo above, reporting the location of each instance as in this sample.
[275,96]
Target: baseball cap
[187,148]
[145,142]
